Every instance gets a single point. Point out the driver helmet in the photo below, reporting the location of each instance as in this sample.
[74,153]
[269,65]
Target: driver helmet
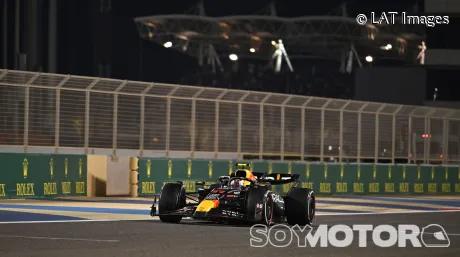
[240,183]
[237,184]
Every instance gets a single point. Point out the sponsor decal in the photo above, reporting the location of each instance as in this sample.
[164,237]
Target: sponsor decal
[230,213]
[278,199]
[212,197]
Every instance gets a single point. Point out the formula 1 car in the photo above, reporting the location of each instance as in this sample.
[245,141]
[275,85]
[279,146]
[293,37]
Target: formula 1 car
[243,196]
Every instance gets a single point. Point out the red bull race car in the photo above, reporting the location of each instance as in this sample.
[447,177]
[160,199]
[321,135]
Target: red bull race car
[243,196]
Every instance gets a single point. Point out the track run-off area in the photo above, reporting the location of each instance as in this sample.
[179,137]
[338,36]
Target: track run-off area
[108,227]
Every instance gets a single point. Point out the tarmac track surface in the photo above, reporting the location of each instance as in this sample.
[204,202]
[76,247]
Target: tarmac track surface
[198,239]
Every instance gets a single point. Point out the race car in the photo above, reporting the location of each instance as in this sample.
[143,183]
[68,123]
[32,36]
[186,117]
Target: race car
[243,196]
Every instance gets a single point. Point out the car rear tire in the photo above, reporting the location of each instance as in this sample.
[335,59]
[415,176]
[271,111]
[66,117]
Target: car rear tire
[172,197]
[300,206]
[255,196]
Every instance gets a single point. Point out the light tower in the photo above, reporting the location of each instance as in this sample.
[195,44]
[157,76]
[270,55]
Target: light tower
[279,53]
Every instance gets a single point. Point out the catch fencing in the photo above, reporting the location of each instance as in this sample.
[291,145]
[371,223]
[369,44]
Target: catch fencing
[83,115]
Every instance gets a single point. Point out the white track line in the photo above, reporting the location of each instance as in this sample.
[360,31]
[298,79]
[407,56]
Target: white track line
[418,233]
[156,218]
[61,238]
[72,221]
[385,213]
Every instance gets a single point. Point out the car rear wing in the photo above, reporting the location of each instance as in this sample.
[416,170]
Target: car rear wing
[276,178]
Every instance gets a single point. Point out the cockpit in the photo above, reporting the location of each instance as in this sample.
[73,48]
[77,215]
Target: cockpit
[239,179]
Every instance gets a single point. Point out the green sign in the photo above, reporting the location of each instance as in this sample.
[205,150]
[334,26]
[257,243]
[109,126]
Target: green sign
[324,179]
[42,175]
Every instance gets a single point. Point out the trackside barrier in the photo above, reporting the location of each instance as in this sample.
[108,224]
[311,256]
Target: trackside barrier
[336,178]
[42,175]
[133,177]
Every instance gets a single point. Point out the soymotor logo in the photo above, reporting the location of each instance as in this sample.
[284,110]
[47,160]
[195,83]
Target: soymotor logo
[281,235]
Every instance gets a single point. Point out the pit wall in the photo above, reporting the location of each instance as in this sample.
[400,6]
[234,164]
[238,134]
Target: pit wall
[42,175]
[57,175]
[324,179]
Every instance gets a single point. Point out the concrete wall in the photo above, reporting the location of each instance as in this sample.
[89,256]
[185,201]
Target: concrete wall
[108,176]
[117,176]
[97,175]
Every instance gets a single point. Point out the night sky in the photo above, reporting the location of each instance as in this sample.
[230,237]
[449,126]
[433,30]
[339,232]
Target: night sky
[87,37]
[76,22]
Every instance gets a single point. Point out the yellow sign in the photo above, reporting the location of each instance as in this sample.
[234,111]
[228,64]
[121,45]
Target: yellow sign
[374,187]
[325,187]
[80,167]
[432,172]
[359,171]
[358,187]
[270,168]
[457,188]
[432,187]
[290,168]
[418,188]
[189,168]
[342,187]
[307,184]
[66,187]
[149,168]
[80,188]
[50,188]
[51,167]
[325,171]
[210,169]
[66,167]
[342,170]
[25,189]
[375,171]
[2,190]
[418,172]
[308,171]
[148,188]
[189,186]
[230,167]
[389,187]
[404,187]
[389,172]
[286,188]
[169,168]
[25,168]
[446,188]
[404,172]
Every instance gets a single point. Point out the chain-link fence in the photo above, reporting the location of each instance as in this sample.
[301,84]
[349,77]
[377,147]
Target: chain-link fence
[86,115]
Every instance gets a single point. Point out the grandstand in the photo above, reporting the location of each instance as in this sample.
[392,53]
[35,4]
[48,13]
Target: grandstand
[317,53]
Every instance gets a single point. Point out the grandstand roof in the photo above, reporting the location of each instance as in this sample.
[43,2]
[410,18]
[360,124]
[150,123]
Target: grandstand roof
[322,36]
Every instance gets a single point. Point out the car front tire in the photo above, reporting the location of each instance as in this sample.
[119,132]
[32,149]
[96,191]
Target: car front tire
[172,197]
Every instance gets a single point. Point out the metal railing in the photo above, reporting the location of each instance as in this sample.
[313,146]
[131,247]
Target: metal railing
[65,113]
